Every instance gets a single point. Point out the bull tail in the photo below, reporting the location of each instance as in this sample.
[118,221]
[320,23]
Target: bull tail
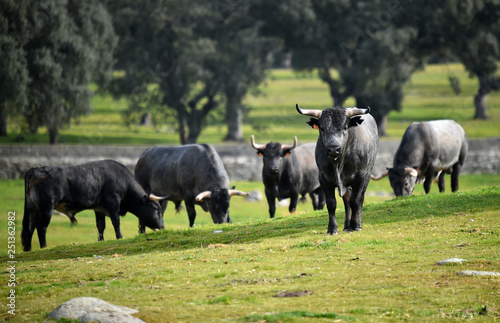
[178,207]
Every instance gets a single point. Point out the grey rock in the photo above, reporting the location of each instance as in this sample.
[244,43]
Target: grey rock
[478,273]
[90,309]
[451,261]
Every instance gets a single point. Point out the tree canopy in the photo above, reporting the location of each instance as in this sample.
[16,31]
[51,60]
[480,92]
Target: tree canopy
[183,61]
[64,46]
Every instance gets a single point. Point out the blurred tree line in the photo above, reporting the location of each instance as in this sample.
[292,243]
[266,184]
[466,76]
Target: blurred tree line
[187,61]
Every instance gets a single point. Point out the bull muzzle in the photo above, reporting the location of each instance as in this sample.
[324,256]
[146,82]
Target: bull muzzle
[334,152]
[274,171]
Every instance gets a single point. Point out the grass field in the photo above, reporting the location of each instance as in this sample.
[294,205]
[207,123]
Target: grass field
[272,115]
[387,272]
[60,231]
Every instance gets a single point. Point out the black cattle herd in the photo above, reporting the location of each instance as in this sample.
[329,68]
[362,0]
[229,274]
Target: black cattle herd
[342,159]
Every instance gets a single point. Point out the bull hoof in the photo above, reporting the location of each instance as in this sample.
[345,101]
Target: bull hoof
[332,233]
[349,230]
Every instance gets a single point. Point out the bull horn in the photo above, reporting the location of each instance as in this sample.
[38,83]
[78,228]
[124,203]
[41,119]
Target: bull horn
[379,177]
[203,195]
[236,192]
[311,113]
[290,147]
[256,146]
[155,198]
[411,171]
[351,112]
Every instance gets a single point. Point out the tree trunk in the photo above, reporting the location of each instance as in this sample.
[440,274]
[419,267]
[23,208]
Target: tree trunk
[480,99]
[380,119]
[486,85]
[381,124]
[234,119]
[480,104]
[194,130]
[334,87]
[3,119]
[53,135]
[196,117]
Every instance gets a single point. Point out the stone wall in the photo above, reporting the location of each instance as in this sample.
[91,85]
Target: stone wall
[241,161]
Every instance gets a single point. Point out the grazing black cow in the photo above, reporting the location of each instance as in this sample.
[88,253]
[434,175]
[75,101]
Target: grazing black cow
[428,149]
[106,186]
[345,154]
[289,172]
[193,173]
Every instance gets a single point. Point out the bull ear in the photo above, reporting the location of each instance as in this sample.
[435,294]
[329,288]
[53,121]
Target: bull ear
[260,153]
[314,123]
[354,121]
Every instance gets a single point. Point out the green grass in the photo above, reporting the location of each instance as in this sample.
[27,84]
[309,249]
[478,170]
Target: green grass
[387,272]
[272,115]
[60,231]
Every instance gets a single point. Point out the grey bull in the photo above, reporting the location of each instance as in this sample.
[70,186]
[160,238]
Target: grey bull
[190,173]
[428,149]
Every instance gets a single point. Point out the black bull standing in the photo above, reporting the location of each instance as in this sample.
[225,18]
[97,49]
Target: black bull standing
[345,154]
[193,173]
[106,186]
[289,171]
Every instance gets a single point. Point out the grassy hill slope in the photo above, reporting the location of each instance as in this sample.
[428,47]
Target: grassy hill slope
[387,272]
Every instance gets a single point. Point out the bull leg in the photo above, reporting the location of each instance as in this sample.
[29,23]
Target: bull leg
[271,202]
[356,199]
[321,198]
[115,221]
[315,200]
[441,182]
[346,198]
[294,199]
[191,211]
[100,220]
[454,177]
[331,204]
[429,174]
[30,219]
[41,227]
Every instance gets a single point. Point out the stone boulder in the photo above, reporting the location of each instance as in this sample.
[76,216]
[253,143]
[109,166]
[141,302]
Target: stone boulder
[90,309]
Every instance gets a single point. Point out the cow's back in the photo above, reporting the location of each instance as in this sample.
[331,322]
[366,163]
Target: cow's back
[172,170]
[79,185]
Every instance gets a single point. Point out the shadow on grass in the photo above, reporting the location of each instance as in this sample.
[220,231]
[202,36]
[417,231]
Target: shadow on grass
[396,210]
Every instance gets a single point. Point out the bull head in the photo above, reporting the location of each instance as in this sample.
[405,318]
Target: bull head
[285,148]
[216,201]
[350,112]
[402,180]
[273,154]
[333,124]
